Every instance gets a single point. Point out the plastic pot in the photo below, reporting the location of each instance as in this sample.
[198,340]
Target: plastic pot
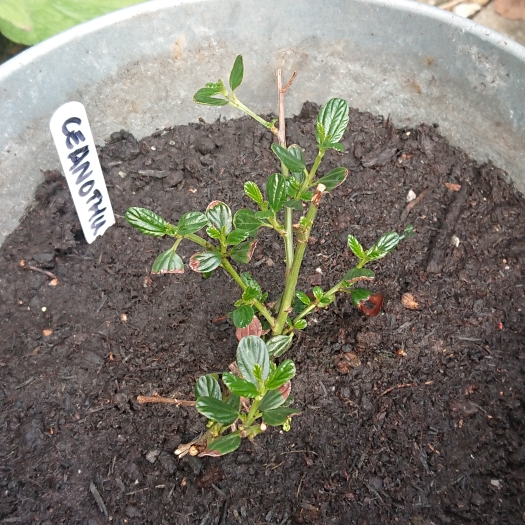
[138,68]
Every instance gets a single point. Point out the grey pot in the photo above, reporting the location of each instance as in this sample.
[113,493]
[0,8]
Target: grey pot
[138,68]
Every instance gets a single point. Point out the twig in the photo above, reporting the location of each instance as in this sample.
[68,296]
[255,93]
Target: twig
[98,498]
[169,400]
[404,385]
[45,272]
[412,204]
[281,92]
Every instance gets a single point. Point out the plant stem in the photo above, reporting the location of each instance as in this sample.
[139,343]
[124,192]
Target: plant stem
[199,240]
[237,278]
[302,242]
[252,414]
[235,102]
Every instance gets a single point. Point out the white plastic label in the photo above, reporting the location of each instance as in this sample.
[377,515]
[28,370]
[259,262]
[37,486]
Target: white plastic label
[78,155]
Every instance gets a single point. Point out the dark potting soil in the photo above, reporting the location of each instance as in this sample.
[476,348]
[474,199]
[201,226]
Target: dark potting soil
[416,416]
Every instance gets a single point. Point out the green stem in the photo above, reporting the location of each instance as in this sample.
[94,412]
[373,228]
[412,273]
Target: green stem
[199,240]
[234,101]
[253,413]
[237,278]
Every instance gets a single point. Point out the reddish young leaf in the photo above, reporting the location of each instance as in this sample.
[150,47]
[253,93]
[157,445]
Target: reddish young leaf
[376,300]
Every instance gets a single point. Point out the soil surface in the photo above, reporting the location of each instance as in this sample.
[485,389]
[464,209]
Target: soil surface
[416,416]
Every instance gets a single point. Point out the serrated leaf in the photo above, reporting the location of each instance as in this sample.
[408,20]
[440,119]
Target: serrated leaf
[237,236]
[251,294]
[248,280]
[216,410]
[294,205]
[191,222]
[237,73]
[147,222]
[278,345]
[242,316]
[356,247]
[252,351]
[385,244]
[331,122]
[239,386]
[252,190]
[278,416]
[207,386]
[246,220]
[288,159]
[333,178]
[318,292]
[205,262]
[243,252]
[168,262]
[281,375]
[276,190]
[205,96]
[220,216]
[303,298]
[334,145]
[222,446]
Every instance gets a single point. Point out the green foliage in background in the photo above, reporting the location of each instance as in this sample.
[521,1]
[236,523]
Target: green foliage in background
[31,21]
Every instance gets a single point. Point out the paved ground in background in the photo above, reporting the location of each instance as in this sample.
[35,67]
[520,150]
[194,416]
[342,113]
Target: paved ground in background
[515,29]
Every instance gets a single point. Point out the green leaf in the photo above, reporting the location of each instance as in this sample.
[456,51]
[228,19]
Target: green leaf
[264,214]
[239,386]
[334,145]
[288,159]
[216,410]
[243,252]
[252,351]
[208,386]
[383,246]
[278,345]
[252,190]
[294,205]
[325,300]
[331,123]
[168,262]
[318,292]
[332,179]
[237,236]
[213,232]
[147,222]
[281,375]
[356,247]
[191,222]
[234,401]
[205,262]
[276,190]
[272,399]
[357,274]
[246,220]
[223,445]
[358,295]
[300,324]
[220,216]
[249,281]
[242,316]
[297,152]
[303,298]
[237,73]
[278,416]
[31,21]
[251,294]
[205,96]
[407,232]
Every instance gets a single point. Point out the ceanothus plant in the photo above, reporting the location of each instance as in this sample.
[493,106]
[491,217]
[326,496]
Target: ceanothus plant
[256,393]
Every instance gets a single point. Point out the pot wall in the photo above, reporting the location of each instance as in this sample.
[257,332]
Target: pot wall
[137,69]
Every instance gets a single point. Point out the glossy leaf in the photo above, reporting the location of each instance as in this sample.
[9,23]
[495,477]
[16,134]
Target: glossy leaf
[216,410]
[278,345]
[191,222]
[333,178]
[147,222]
[356,247]
[358,274]
[300,324]
[242,316]
[239,386]
[248,280]
[236,236]
[168,262]
[359,295]
[334,145]
[205,262]
[288,159]
[234,401]
[273,399]
[252,190]
[294,205]
[385,244]
[252,351]
[251,293]
[223,445]
[243,252]
[208,386]
[213,232]
[276,190]
[318,292]
[246,220]
[205,96]
[278,416]
[237,73]
[281,375]
[331,122]
[297,152]
[303,298]
[220,216]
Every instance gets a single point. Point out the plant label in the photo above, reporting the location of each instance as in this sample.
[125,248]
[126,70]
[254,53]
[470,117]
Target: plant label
[78,155]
